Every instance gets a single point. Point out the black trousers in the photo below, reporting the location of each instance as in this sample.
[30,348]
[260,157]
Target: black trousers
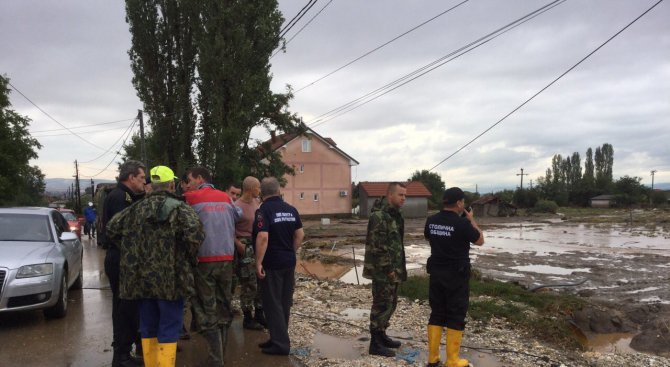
[449,296]
[125,313]
[277,292]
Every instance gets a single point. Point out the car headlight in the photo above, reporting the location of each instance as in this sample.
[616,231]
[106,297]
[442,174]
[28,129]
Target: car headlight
[73,228]
[35,270]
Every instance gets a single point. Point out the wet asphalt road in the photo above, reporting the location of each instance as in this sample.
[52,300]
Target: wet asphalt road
[83,338]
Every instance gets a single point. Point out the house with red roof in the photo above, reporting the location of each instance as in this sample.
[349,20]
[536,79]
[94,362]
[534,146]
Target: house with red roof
[416,205]
[322,181]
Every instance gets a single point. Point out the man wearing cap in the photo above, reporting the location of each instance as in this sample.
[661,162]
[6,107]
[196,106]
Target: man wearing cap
[214,272]
[125,314]
[90,214]
[450,233]
[385,265]
[159,238]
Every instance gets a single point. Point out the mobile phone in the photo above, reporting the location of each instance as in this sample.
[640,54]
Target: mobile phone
[468,209]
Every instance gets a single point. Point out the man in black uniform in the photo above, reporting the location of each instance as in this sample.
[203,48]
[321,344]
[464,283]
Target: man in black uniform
[125,313]
[450,233]
[277,233]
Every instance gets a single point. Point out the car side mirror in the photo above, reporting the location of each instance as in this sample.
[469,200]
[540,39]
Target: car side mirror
[68,236]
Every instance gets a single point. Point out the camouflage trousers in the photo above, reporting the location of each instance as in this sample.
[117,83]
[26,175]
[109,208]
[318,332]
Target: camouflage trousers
[384,302]
[211,304]
[250,297]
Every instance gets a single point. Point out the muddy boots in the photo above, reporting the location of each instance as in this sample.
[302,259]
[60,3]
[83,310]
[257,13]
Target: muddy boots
[388,342]
[377,346]
[215,348]
[249,322]
[434,338]
[167,354]
[150,352]
[453,347]
[259,316]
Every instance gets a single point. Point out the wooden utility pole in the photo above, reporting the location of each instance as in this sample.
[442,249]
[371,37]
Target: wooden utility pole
[522,174]
[77,189]
[653,172]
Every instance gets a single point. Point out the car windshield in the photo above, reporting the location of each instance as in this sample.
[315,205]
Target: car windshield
[24,227]
[69,216]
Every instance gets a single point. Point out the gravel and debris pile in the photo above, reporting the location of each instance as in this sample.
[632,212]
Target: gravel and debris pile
[324,307]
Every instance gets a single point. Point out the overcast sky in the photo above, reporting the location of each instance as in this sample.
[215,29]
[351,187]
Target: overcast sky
[70,58]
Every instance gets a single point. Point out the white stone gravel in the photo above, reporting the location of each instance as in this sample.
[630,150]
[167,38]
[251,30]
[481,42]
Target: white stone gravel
[319,305]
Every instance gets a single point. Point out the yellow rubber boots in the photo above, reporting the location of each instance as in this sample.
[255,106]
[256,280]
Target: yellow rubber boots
[453,347]
[167,354]
[150,352]
[434,338]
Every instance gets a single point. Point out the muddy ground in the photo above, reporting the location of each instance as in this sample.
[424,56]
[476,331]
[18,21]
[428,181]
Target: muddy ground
[622,268]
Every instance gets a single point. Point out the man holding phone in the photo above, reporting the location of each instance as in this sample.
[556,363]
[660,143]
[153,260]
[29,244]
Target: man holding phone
[450,233]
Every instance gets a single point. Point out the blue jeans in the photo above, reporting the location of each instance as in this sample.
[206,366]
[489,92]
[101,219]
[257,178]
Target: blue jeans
[161,319]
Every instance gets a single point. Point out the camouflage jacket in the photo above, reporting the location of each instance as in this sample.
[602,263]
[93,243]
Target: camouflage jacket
[384,250]
[158,239]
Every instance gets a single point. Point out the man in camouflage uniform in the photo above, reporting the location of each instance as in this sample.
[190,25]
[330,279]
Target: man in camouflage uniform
[385,265]
[213,275]
[245,258]
[158,239]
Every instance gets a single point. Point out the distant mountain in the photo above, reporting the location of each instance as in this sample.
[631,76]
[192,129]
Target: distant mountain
[55,185]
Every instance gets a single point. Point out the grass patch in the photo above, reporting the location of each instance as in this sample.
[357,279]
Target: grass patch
[543,315]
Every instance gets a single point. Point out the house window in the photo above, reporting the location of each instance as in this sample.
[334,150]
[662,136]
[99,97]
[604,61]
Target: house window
[302,195]
[316,197]
[302,168]
[306,145]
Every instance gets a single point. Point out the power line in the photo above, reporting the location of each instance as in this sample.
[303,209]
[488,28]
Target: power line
[128,130]
[303,27]
[115,155]
[381,46]
[56,121]
[83,126]
[358,102]
[81,132]
[548,85]
[296,18]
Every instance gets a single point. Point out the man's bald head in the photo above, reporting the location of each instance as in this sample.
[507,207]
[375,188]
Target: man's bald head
[250,182]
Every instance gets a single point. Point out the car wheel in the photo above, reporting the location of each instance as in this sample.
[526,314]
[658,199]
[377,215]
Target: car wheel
[59,310]
[79,282]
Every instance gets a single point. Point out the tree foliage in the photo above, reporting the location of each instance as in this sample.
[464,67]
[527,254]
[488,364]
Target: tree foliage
[202,71]
[629,191]
[20,183]
[434,184]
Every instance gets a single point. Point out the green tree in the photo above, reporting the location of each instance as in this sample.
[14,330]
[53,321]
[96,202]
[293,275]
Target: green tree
[20,183]
[202,71]
[434,184]
[162,57]
[630,191]
[234,43]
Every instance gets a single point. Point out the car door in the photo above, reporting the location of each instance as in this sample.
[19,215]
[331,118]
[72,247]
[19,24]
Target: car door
[70,248]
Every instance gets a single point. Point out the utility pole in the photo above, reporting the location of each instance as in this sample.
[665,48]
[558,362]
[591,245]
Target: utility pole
[531,183]
[143,149]
[522,174]
[77,192]
[92,190]
[653,172]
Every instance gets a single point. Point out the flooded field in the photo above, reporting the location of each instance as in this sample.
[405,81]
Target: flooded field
[626,267]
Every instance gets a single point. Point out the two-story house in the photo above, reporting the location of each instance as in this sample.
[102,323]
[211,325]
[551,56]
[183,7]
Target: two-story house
[322,181]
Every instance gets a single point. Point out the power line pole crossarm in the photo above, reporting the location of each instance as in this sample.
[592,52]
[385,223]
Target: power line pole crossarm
[522,174]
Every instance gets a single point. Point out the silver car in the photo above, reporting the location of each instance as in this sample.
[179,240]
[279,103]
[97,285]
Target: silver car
[40,260]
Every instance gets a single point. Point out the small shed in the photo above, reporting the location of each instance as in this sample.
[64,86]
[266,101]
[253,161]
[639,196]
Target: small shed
[416,205]
[602,201]
[492,206]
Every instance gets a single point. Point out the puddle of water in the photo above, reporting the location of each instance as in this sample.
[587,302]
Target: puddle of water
[546,269]
[610,343]
[321,270]
[655,299]
[350,276]
[648,289]
[355,313]
[332,347]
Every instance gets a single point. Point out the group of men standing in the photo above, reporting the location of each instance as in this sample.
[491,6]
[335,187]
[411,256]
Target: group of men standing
[163,249]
